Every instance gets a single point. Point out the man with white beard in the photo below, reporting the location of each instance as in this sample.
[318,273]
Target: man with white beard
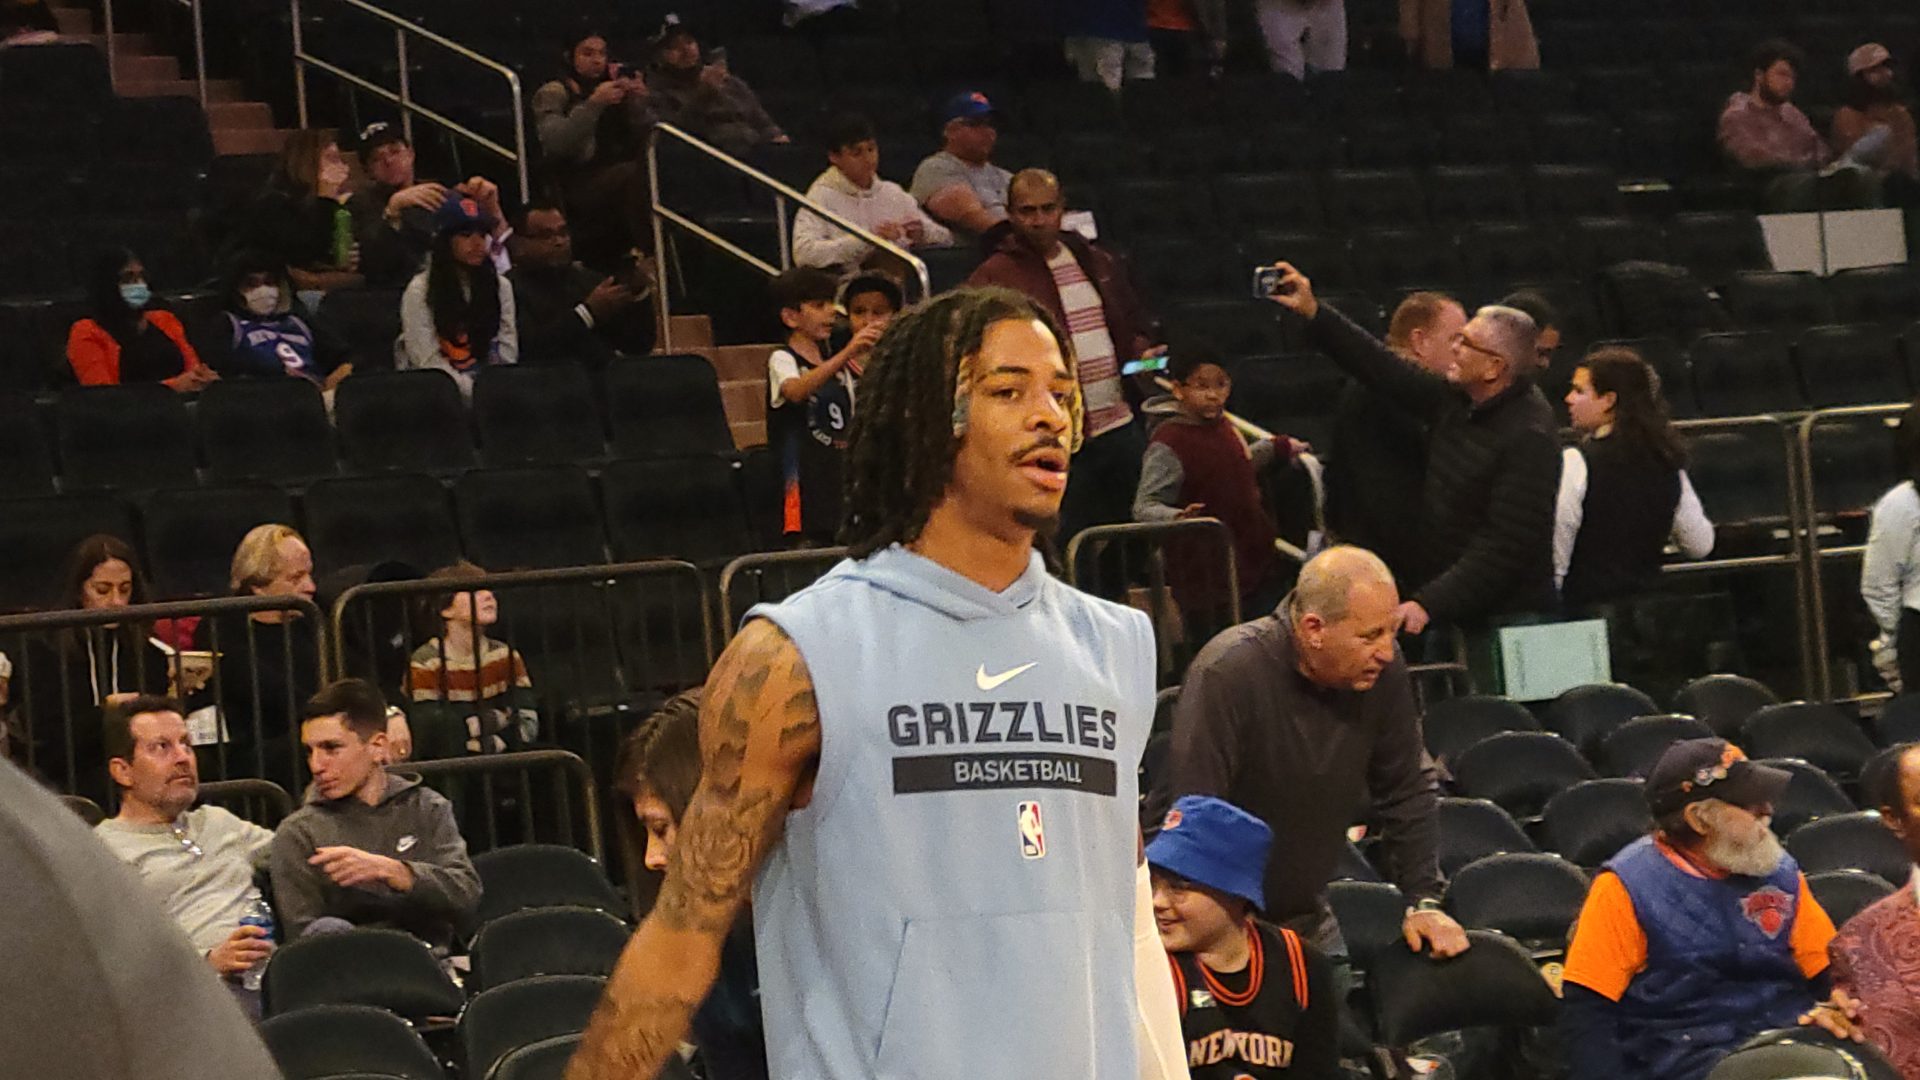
[1699,936]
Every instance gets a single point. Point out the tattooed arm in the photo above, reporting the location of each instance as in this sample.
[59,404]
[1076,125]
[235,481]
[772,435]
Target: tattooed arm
[760,741]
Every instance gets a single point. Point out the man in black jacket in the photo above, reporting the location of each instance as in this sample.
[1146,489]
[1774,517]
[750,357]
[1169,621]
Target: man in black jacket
[1493,458]
[568,312]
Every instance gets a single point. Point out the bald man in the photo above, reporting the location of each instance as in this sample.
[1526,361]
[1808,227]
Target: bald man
[1306,719]
[1087,290]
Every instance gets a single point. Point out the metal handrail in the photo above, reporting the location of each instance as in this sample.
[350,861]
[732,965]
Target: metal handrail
[199,46]
[1822,672]
[763,561]
[521,760]
[782,194]
[302,59]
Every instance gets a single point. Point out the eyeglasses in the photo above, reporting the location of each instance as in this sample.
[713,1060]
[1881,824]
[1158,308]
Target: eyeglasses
[548,234]
[1462,341]
[187,842]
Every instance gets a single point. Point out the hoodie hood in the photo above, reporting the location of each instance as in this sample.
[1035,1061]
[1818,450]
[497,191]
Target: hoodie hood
[835,180]
[397,783]
[927,583]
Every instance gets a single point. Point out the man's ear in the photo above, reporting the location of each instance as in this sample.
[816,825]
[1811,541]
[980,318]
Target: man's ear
[1312,629]
[1694,814]
[121,770]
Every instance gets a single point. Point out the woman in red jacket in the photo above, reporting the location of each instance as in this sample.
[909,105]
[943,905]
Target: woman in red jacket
[125,341]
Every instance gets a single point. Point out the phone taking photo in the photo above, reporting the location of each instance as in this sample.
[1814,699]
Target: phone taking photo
[1144,365]
[1266,282]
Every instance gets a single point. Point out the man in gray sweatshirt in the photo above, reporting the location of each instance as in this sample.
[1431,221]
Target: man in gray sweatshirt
[369,848]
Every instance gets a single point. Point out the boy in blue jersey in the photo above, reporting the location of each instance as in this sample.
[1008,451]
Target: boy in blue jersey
[923,766]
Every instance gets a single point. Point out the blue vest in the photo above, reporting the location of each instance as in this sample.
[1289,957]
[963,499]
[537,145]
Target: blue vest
[1720,964]
[957,900]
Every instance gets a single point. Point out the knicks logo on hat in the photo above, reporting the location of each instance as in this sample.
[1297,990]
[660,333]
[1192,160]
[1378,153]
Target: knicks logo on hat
[469,208]
[1033,833]
[1172,820]
[1769,909]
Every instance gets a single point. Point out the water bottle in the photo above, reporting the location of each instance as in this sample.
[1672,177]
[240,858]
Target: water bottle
[342,237]
[260,915]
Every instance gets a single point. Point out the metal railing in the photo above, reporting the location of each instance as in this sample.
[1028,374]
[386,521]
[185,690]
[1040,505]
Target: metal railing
[69,664]
[782,196]
[484,788]
[403,95]
[195,17]
[1185,572]
[768,577]
[1814,550]
[262,802]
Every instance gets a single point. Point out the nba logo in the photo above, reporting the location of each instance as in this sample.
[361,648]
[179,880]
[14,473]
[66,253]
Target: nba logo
[1033,836]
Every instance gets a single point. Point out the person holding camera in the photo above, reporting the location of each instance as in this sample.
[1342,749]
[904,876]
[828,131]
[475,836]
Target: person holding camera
[568,312]
[1493,456]
[698,93]
[592,124]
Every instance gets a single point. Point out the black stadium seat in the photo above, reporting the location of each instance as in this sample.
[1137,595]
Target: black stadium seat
[191,534]
[325,1042]
[265,429]
[1600,241]
[1876,294]
[1787,299]
[1520,770]
[408,421]
[666,405]
[1383,198]
[1857,841]
[684,507]
[1740,476]
[1724,701]
[1474,193]
[1586,714]
[1451,725]
[1853,465]
[1475,828]
[1811,794]
[361,521]
[68,77]
[37,536]
[383,968]
[370,321]
[1857,364]
[1632,748]
[1254,201]
[525,876]
[1369,914]
[1743,373]
[1500,255]
[531,518]
[1142,207]
[1716,245]
[131,437]
[26,457]
[1493,984]
[1589,823]
[1814,732]
[1386,260]
[1842,894]
[536,415]
[1565,191]
[521,1013]
[1533,898]
[546,941]
[1899,720]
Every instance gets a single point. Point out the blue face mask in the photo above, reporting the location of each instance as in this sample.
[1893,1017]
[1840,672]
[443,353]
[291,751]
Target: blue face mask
[136,294]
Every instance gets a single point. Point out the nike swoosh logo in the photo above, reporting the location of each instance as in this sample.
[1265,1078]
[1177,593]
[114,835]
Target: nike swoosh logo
[993,682]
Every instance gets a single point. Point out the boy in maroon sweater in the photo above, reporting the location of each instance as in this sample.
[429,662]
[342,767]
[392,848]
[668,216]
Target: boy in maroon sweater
[1197,465]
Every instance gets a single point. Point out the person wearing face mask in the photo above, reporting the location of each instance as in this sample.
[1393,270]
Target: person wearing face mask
[457,315]
[68,676]
[123,340]
[261,336]
[302,217]
[1624,490]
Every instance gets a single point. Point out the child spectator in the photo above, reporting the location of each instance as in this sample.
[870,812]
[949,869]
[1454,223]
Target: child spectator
[1197,465]
[870,300]
[852,188]
[263,337]
[123,340]
[810,399]
[457,314]
[1255,1000]
[470,693]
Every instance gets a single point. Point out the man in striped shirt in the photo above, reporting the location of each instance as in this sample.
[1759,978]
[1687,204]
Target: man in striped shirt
[1087,290]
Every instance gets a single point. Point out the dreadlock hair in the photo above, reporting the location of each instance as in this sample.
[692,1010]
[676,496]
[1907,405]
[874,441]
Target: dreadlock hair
[912,414]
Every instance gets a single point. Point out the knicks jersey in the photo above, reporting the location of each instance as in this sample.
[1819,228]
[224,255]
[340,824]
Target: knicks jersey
[1248,1025]
[957,900]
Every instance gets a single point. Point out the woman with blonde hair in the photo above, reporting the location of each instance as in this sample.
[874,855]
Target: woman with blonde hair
[268,661]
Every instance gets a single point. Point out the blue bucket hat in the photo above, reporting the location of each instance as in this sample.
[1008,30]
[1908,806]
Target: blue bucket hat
[1214,843]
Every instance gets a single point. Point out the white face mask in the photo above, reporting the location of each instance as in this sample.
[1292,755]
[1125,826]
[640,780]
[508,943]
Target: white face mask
[262,299]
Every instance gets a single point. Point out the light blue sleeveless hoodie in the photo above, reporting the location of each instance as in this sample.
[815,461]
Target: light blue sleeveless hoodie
[956,903]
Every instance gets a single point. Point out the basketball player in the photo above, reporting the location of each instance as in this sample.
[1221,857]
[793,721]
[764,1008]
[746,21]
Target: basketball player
[924,764]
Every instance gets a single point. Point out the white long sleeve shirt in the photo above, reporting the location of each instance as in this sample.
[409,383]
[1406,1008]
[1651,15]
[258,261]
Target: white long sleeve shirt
[1692,532]
[818,243]
[419,344]
[1890,575]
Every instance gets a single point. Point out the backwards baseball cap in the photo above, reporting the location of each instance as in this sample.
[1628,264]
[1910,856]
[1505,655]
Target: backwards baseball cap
[1696,769]
[670,29]
[378,134]
[463,214]
[1214,843]
[1867,57]
[967,105]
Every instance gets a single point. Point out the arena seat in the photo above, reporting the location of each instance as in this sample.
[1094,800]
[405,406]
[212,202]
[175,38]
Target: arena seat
[1396,260]
[1586,714]
[1745,372]
[1572,190]
[1145,206]
[1451,725]
[370,321]
[666,405]
[326,1042]
[1899,721]
[683,507]
[365,520]
[38,535]
[1474,193]
[1724,701]
[537,415]
[536,517]
[68,77]
[1497,256]
[1520,770]
[1740,477]
[26,457]
[411,421]
[1590,822]
[1887,295]
[1374,198]
[132,437]
[1493,984]
[190,534]
[524,876]
[1600,241]
[1632,748]
[1810,794]
[1532,898]
[1322,257]
[1783,299]
[1856,364]
[1815,732]
[1842,894]
[505,1018]
[387,969]
[1718,245]
[1853,465]
[1856,841]
[1800,1053]
[1369,914]
[265,429]
[546,941]
[1250,202]
[1475,828]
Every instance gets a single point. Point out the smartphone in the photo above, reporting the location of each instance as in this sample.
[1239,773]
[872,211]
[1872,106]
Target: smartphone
[616,71]
[1266,282]
[1144,365]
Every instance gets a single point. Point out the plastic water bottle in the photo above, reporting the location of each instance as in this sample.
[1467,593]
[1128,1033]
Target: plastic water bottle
[260,915]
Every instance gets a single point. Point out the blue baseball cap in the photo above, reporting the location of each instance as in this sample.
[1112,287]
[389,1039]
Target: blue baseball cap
[967,105]
[1214,843]
[460,213]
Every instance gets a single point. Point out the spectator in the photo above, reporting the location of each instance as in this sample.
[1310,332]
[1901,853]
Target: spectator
[199,862]
[568,312]
[1086,288]
[1378,451]
[457,314]
[123,340]
[393,216]
[338,860]
[851,187]
[1261,998]
[1624,490]
[1493,458]
[592,124]
[268,660]
[27,22]
[871,300]
[1482,35]
[959,185]
[262,337]
[1197,465]
[1873,100]
[1304,34]
[469,693]
[1106,40]
[1321,672]
[702,97]
[1188,36]
[302,218]
[69,676]
[1698,936]
[1871,955]
[810,403]
[658,768]
[1890,573]
[1763,133]
[1546,320]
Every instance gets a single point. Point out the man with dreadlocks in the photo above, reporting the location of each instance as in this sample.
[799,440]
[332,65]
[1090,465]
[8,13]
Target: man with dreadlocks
[924,764]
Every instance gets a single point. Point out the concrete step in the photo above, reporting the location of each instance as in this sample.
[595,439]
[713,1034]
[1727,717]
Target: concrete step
[740,362]
[242,141]
[239,114]
[748,434]
[124,44]
[144,68]
[218,90]
[74,22]
[692,332]
[745,402]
